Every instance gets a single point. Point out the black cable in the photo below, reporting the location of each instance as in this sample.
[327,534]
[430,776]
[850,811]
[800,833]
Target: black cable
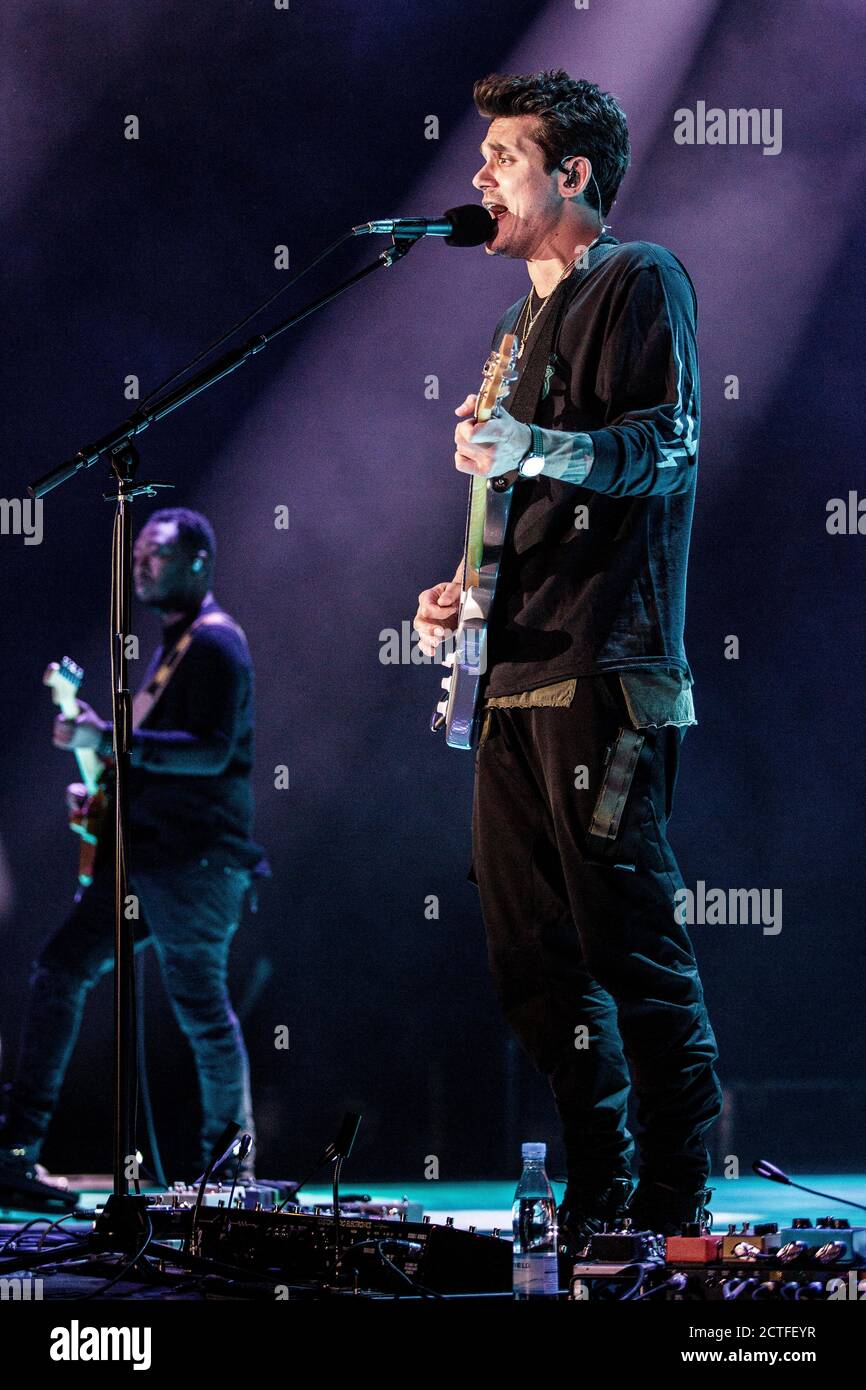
[389,1264]
[732,1290]
[676,1281]
[97,1293]
[13,1239]
[54,1226]
[243,1150]
[217,1159]
[378,1246]
[175,376]
[71,1250]
[630,1293]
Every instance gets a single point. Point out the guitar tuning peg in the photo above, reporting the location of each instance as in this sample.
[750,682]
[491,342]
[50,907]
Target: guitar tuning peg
[445,683]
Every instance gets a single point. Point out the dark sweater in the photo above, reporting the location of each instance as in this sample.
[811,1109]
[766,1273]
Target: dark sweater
[611,595]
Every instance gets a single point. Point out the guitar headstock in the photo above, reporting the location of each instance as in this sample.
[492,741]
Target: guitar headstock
[63,679]
[500,370]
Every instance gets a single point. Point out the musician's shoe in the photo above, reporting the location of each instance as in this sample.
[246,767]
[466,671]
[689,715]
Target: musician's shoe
[24,1183]
[664,1209]
[583,1213]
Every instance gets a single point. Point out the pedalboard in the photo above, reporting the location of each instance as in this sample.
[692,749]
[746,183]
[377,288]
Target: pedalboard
[824,1261]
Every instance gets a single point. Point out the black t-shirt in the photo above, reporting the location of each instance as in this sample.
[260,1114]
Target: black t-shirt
[607,593]
[191,759]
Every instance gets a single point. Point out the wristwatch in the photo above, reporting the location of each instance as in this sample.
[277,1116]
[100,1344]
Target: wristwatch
[532,465]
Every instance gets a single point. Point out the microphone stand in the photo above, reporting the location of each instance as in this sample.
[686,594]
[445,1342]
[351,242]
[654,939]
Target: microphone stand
[224,365]
[124,1220]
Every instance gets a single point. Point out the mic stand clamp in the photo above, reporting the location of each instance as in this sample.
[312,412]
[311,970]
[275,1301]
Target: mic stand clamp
[400,244]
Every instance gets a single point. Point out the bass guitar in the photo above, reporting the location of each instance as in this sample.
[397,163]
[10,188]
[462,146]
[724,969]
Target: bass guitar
[86,800]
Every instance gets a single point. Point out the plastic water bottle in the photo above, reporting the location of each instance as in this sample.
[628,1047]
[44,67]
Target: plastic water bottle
[536,1237]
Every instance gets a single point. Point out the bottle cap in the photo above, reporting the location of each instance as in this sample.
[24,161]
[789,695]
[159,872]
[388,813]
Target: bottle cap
[534,1151]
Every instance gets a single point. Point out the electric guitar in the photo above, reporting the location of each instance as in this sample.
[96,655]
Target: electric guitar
[86,800]
[486,523]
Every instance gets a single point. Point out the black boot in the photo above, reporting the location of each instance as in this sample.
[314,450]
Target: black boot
[584,1212]
[659,1207]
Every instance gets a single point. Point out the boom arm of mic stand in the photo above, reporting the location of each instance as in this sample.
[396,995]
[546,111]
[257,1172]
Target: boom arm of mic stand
[140,420]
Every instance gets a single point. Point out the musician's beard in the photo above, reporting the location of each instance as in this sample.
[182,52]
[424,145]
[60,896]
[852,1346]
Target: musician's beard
[518,239]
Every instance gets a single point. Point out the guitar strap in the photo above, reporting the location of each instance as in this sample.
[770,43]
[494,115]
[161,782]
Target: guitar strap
[147,697]
[527,393]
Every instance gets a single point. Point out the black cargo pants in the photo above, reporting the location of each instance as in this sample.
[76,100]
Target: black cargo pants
[592,969]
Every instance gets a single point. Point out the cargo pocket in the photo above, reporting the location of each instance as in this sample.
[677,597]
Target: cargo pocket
[603,837]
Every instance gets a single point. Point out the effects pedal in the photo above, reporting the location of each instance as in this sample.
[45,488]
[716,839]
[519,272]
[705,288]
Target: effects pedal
[750,1242]
[247,1196]
[831,1240]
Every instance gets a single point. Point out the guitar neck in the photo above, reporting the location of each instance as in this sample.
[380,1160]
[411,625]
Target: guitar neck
[90,764]
[498,374]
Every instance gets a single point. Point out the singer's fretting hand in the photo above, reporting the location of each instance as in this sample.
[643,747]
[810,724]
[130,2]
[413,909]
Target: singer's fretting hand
[491,447]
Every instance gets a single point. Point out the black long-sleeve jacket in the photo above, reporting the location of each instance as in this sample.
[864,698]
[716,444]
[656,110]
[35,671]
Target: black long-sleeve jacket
[593,576]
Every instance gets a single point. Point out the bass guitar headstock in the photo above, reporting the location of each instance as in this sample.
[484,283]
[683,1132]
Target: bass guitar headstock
[63,679]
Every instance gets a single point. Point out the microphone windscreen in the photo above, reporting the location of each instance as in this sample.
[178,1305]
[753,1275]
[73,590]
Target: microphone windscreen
[472,223]
[765,1169]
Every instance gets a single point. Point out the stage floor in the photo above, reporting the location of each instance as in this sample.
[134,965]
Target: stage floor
[482,1205]
[487,1205]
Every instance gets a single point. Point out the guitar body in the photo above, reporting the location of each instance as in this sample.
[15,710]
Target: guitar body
[486,526]
[469,663]
[86,800]
[86,818]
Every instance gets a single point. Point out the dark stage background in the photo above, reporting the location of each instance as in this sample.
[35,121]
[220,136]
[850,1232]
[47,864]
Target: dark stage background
[261,127]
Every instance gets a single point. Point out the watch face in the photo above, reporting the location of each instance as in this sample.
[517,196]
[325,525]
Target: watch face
[531,467]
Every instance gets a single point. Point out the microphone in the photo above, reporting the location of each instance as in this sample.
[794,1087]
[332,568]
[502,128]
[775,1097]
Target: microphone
[469,225]
[765,1169]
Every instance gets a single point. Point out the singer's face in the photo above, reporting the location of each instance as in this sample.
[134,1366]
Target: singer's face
[524,199]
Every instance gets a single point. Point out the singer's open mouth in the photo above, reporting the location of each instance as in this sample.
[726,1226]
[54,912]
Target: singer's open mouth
[497,211]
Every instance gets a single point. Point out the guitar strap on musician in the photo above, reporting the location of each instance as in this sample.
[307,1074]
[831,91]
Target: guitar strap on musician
[527,393]
[146,698]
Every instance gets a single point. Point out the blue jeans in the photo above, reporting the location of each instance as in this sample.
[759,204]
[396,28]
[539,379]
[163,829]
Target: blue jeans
[189,914]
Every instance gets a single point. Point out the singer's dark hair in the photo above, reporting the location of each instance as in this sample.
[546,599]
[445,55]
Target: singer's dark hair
[194,531]
[574,117]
